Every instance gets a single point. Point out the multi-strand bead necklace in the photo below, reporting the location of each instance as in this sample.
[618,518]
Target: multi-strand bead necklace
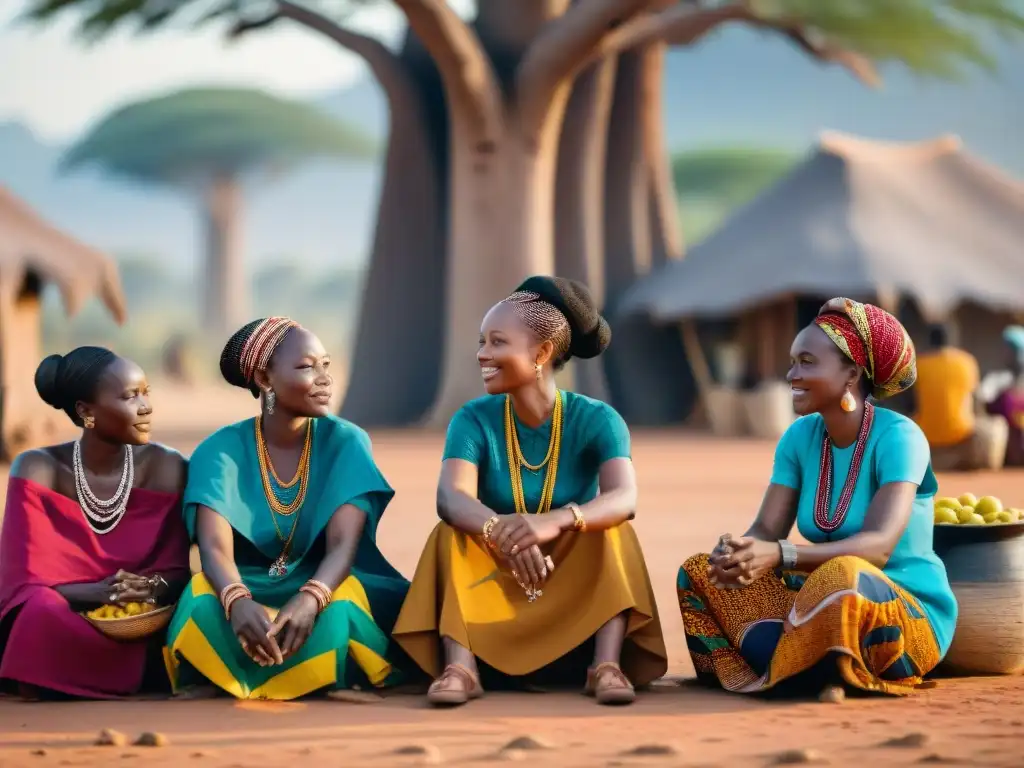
[284,498]
[103,515]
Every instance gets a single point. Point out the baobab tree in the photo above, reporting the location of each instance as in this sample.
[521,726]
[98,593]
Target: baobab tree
[547,103]
[204,142]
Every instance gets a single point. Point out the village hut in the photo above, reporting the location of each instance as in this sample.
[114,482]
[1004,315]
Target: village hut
[924,229]
[34,253]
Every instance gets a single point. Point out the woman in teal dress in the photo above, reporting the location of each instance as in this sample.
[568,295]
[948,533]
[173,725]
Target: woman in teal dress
[294,596]
[533,575]
[866,603]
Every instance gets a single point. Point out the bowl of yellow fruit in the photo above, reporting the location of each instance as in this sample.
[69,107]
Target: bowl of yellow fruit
[981,543]
[131,621]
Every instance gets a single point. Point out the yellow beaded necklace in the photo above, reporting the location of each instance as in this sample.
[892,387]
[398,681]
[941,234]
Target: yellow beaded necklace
[516,460]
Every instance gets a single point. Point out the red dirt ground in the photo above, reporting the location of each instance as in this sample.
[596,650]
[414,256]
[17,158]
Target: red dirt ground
[693,488]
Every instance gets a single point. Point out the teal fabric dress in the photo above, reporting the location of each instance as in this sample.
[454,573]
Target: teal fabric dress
[897,451]
[459,590]
[350,642]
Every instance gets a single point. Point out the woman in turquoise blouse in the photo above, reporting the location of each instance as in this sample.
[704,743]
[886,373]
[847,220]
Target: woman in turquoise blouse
[867,597]
[532,598]
[294,596]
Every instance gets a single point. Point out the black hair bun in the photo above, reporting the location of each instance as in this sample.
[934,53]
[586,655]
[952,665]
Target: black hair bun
[48,381]
[591,333]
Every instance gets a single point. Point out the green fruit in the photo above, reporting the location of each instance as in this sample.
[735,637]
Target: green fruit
[976,520]
[988,505]
[945,516]
[968,500]
[964,514]
[948,502]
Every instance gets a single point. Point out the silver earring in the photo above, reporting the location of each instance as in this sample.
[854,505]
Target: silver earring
[270,398]
[539,370]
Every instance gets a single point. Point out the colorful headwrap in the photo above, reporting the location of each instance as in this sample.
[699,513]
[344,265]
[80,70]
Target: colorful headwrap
[544,319]
[874,340]
[261,344]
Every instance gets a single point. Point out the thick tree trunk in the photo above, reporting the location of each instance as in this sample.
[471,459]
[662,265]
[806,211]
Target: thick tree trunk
[226,297]
[579,199]
[649,379]
[397,353]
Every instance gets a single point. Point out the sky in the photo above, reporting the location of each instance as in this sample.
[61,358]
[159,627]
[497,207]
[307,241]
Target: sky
[57,85]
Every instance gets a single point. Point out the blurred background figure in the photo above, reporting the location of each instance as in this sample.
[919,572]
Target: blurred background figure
[1008,403]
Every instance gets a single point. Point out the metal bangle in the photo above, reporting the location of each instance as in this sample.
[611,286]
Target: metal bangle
[788,554]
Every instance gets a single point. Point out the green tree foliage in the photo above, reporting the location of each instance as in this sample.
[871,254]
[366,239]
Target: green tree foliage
[212,131]
[729,176]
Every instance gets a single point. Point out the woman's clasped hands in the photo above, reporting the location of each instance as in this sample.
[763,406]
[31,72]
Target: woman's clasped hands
[269,642]
[124,587]
[739,562]
[517,540]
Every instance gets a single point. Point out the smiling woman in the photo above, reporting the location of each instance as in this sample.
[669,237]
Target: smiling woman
[867,602]
[294,596]
[90,523]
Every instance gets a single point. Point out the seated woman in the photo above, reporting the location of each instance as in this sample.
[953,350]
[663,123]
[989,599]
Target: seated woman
[90,523]
[533,595]
[294,596]
[1008,404]
[867,602]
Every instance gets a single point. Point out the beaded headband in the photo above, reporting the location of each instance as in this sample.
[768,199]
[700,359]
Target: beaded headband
[261,344]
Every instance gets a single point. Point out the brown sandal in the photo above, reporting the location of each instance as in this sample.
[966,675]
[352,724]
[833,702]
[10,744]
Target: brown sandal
[616,690]
[449,697]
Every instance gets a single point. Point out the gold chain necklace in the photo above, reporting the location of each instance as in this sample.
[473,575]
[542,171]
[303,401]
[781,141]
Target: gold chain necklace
[280,565]
[516,461]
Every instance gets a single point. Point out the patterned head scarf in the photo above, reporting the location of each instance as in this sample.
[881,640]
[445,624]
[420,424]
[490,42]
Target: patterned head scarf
[874,340]
[545,320]
[250,349]
[1014,336]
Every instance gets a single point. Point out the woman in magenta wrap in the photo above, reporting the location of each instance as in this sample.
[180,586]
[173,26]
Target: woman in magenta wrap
[93,522]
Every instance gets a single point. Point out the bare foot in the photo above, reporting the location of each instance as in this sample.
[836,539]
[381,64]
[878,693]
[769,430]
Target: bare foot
[355,697]
[196,693]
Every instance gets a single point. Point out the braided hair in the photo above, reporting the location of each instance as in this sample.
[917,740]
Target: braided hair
[563,312]
[63,381]
[249,350]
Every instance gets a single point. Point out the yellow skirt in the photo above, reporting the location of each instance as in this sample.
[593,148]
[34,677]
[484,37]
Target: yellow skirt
[459,592]
[752,639]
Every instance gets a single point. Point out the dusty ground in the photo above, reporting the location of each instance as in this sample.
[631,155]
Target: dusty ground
[692,489]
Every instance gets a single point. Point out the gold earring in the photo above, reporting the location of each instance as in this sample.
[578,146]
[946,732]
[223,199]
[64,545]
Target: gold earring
[540,371]
[848,403]
[88,422]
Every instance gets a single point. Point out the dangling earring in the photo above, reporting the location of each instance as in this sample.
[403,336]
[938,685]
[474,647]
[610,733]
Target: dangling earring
[89,422]
[270,398]
[848,403]
[539,370]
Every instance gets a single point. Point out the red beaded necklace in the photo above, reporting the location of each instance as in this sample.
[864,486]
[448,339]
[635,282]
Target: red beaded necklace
[823,501]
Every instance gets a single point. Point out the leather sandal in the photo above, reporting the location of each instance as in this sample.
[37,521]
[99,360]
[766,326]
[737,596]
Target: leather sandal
[609,685]
[441,696]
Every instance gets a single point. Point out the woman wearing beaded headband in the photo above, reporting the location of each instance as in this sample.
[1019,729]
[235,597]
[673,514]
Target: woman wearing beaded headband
[867,602]
[534,598]
[294,596]
[89,523]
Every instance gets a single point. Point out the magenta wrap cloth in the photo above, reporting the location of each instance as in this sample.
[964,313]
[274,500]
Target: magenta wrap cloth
[46,542]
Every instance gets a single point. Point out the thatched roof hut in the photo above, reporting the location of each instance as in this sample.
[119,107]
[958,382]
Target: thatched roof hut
[925,229]
[32,254]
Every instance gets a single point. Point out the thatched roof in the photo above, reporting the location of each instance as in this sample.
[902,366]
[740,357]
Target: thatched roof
[28,243]
[858,218]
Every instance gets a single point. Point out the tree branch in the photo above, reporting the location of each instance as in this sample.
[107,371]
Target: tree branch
[469,79]
[564,47]
[383,63]
[683,25]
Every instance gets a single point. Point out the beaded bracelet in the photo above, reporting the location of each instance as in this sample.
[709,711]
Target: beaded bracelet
[232,593]
[579,522]
[487,529]
[320,592]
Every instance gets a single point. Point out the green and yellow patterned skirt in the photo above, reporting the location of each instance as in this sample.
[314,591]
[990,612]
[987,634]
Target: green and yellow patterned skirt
[752,639]
[345,648]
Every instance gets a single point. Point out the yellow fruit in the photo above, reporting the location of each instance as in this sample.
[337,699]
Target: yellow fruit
[1004,517]
[976,520]
[948,502]
[968,500]
[987,504]
[1016,514]
[990,517]
[945,516]
[964,514]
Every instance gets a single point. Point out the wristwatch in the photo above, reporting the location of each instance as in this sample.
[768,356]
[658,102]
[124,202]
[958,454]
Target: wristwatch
[788,550]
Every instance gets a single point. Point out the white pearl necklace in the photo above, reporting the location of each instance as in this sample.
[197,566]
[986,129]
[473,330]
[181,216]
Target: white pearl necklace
[103,515]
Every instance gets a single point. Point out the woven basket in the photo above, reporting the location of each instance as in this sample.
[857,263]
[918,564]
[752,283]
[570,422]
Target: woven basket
[985,565]
[134,627]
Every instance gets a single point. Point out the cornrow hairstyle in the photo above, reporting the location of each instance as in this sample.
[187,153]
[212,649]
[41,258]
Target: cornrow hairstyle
[249,350]
[562,311]
[62,381]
